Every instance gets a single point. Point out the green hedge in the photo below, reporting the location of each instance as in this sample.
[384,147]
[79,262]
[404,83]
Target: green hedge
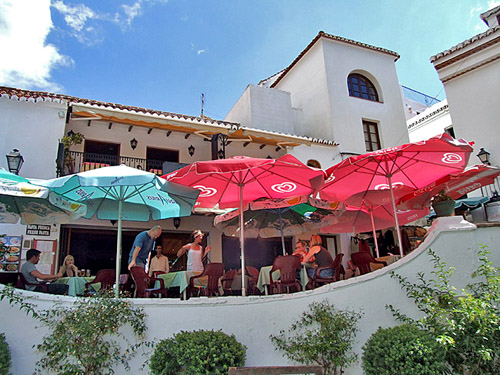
[197,353]
[5,353]
[402,350]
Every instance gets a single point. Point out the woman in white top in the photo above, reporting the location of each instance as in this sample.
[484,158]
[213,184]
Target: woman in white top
[195,252]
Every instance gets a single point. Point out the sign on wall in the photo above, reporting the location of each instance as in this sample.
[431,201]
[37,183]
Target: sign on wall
[38,230]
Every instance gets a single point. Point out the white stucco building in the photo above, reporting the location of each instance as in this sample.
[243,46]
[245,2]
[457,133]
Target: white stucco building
[337,89]
[470,75]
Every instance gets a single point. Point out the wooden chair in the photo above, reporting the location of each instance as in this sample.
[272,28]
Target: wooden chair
[338,272]
[214,271]
[362,261]
[144,285]
[23,283]
[253,273]
[288,266]
[105,277]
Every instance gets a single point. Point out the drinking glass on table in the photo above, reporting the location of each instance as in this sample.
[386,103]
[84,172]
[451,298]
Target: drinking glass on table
[88,272]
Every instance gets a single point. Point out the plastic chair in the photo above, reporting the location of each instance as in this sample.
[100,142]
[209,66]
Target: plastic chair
[362,261]
[253,273]
[214,271]
[338,270]
[106,277]
[288,266]
[23,282]
[227,282]
[144,285]
[125,283]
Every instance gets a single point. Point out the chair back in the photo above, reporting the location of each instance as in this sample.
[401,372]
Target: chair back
[362,260]
[214,271]
[141,280]
[227,280]
[106,277]
[337,265]
[288,266]
[23,282]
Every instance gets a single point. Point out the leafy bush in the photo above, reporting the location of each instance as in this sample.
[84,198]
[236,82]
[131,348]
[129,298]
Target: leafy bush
[466,324]
[197,353]
[5,361]
[86,338]
[403,350]
[323,335]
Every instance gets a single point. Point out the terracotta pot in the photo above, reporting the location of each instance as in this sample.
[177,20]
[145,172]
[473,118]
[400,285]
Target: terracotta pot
[444,208]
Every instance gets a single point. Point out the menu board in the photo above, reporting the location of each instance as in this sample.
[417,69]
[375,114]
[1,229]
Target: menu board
[10,253]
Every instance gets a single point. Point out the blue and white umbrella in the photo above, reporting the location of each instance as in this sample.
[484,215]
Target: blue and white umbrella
[124,193]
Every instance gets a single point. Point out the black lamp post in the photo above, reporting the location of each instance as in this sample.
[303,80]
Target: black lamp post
[15,161]
[484,156]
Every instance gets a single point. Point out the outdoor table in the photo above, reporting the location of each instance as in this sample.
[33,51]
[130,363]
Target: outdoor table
[389,259]
[180,279]
[76,285]
[263,282]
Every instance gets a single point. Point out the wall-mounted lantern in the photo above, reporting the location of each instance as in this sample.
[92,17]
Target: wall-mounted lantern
[15,161]
[484,156]
[177,222]
[133,143]
[191,150]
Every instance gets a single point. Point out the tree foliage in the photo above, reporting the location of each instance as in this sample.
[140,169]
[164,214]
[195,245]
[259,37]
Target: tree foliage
[465,323]
[322,335]
[86,338]
[197,353]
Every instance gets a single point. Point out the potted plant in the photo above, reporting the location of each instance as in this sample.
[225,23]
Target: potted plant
[443,204]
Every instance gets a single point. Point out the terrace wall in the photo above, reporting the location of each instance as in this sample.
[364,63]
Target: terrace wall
[253,319]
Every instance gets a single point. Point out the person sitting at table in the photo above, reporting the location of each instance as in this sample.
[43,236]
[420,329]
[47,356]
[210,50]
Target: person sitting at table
[300,249]
[195,252]
[159,262]
[322,258]
[32,275]
[68,268]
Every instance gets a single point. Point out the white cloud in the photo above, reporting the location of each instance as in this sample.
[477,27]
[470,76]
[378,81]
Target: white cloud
[200,51]
[493,3]
[132,11]
[75,16]
[27,59]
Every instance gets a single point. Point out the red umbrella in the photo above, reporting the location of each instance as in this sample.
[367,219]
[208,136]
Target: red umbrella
[395,171]
[365,220]
[237,181]
[456,185]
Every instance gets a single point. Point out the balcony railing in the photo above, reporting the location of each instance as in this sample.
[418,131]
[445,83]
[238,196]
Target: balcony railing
[75,162]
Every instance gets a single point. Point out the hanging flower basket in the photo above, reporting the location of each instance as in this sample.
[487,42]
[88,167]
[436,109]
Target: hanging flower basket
[443,204]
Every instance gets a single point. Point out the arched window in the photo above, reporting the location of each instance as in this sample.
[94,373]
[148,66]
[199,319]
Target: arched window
[361,87]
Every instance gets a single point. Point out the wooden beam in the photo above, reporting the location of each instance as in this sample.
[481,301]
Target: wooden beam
[110,125]
[187,136]
[150,130]
[246,144]
[130,128]
[262,146]
[169,132]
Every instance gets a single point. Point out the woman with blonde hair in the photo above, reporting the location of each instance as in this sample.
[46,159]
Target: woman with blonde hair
[322,257]
[68,267]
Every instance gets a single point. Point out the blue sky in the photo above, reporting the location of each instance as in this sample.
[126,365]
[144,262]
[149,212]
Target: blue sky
[162,54]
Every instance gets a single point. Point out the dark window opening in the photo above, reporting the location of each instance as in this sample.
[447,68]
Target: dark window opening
[156,156]
[101,152]
[372,139]
[450,131]
[361,87]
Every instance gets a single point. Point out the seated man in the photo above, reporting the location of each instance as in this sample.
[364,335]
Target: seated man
[300,249]
[159,262]
[31,274]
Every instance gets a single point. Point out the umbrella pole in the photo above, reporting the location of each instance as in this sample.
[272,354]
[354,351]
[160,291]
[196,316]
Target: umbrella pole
[393,201]
[242,245]
[374,233]
[281,230]
[118,250]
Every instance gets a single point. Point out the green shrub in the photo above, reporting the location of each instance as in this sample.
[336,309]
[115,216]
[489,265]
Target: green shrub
[465,323]
[403,350]
[197,353]
[323,336]
[5,360]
